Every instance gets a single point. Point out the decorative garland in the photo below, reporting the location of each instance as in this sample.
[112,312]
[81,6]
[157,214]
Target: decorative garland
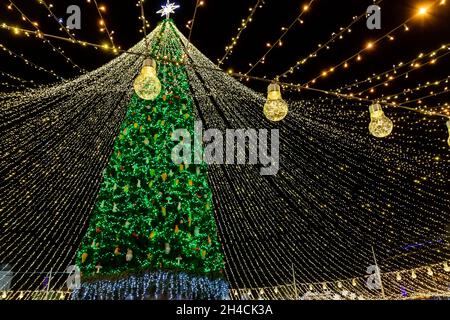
[158,285]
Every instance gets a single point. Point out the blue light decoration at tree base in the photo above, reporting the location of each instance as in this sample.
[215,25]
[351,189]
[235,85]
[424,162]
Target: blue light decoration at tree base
[404,292]
[159,285]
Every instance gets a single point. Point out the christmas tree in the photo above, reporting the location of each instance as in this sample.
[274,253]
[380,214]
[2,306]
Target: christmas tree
[152,231]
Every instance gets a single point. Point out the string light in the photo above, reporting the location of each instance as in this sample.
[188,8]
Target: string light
[69,40]
[155,285]
[44,40]
[410,91]
[61,136]
[103,26]
[16,87]
[397,76]
[335,36]
[198,4]
[280,39]
[431,54]
[431,95]
[145,23]
[299,87]
[358,54]
[352,289]
[245,22]
[28,62]
[24,83]
[57,20]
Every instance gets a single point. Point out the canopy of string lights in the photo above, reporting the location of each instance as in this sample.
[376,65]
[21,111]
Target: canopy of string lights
[345,198]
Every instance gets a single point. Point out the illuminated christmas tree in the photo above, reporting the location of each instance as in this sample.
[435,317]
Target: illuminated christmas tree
[152,231]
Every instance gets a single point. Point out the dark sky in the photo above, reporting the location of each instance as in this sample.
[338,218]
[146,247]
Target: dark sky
[217,23]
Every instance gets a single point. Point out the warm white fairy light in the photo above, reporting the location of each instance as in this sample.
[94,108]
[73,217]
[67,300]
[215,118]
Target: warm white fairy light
[44,39]
[22,81]
[279,41]
[338,191]
[75,147]
[245,22]
[28,62]
[339,35]
[357,56]
[327,124]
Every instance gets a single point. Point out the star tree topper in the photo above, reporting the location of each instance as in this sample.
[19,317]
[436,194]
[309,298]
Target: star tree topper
[168,9]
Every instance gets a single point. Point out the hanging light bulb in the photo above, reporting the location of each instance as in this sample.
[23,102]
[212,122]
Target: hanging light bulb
[446,267]
[275,109]
[147,85]
[380,125]
[448,126]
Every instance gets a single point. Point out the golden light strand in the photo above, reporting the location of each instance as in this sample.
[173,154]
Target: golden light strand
[279,42]
[36,26]
[142,18]
[103,25]
[27,32]
[191,23]
[399,65]
[241,29]
[51,14]
[28,62]
[25,83]
[414,66]
[335,35]
[419,87]
[369,46]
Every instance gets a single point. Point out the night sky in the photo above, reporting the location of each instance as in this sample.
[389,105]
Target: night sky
[217,22]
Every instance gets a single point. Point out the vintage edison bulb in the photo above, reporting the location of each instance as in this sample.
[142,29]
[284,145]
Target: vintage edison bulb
[380,125]
[147,85]
[448,126]
[275,109]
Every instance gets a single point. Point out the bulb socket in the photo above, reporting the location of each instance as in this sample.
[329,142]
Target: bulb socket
[376,111]
[273,87]
[150,62]
[274,92]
